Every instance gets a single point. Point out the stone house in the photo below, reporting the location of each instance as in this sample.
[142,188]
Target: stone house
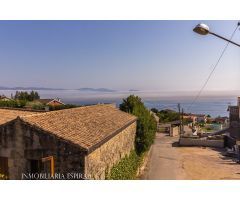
[234,120]
[233,114]
[87,140]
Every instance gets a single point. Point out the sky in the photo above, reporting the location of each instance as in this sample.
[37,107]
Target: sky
[121,55]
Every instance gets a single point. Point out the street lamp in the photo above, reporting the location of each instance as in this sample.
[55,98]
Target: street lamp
[203,29]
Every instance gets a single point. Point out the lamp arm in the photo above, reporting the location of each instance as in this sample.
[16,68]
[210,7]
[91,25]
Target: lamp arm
[224,38]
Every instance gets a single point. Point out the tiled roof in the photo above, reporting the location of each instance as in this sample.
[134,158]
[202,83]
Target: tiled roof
[7,115]
[44,101]
[47,101]
[85,126]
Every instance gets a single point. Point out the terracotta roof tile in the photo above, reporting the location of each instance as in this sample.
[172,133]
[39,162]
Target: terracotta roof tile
[85,126]
[7,115]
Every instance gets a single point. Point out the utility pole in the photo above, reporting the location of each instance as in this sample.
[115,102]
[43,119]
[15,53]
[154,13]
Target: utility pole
[182,130]
[180,118]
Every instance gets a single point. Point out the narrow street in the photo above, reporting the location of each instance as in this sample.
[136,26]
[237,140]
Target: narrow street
[167,161]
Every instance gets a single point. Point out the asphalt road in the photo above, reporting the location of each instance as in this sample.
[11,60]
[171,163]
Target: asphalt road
[167,161]
[164,162]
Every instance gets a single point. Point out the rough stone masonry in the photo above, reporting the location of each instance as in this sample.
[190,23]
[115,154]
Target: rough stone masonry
[86,140]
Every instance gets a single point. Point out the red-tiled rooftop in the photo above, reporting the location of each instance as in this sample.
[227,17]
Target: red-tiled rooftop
[7,115]
[85,126]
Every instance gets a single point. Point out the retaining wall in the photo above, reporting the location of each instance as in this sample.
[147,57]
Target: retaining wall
[199,142]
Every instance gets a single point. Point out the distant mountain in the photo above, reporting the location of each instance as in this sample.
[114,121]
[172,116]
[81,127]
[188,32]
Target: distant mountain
[96,90]
[29,88]
[133,90]
[43,88]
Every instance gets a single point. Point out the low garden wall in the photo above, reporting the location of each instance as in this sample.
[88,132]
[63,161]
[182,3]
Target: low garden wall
[199,142]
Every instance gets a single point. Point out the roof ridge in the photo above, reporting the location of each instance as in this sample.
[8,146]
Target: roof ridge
[67,109]
[21,110]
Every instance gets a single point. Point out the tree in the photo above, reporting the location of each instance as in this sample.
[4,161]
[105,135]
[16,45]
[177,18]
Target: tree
[25,96]
[154,110]
[146,123]
[168,116]
[31,96]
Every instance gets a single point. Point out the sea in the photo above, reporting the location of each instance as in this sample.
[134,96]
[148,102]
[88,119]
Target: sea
[213,105]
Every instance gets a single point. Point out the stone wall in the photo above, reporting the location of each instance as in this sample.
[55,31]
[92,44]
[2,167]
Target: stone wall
[21,143]
[100,161]
[199,142]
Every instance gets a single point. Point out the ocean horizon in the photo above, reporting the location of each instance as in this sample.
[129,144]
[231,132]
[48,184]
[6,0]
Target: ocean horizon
[214,105]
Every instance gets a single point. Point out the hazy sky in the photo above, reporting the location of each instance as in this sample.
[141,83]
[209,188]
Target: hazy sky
[122,55]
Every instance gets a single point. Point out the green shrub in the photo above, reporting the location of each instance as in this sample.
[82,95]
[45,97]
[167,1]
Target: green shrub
[166,115]
[21,103]
[127,168]
[146,123]
[60,107]
[13,103]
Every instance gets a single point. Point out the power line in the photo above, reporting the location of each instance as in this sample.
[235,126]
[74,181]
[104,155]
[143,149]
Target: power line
[215,66]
